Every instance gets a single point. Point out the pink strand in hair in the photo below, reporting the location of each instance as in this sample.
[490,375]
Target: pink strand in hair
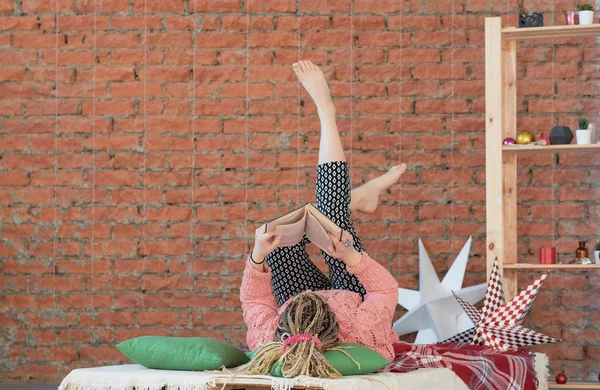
[301,337]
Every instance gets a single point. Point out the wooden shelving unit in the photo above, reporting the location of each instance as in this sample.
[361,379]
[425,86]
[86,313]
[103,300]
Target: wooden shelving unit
[526,149]
[501,161]
[575,267]
[575,385]
[551,32]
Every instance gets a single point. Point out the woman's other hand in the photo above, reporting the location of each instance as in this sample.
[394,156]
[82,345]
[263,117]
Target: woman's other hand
[264,243]
[340,250]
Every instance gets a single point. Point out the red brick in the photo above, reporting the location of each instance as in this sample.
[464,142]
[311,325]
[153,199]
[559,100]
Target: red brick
[34,7]
[561,351]
[6,6]
[12,179]
[104,7]
[440,71]
[220,40]
[136,22]
[218,318]
[409,22]
[325,6]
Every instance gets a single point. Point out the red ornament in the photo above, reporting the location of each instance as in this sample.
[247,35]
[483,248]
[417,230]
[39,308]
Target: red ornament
[561,378]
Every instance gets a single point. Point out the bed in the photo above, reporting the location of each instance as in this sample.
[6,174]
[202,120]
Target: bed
[136,377]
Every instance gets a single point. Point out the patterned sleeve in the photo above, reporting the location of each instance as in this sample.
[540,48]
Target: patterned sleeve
[259,307]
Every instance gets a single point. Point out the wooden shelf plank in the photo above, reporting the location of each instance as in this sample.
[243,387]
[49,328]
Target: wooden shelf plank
[551,266]
[575,385]
[525,149]
[550,32]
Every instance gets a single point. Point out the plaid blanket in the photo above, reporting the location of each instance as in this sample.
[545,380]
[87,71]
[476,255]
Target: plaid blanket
[479,367]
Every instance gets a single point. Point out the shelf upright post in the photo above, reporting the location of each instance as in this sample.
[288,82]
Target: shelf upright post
[509,111]
[494,107]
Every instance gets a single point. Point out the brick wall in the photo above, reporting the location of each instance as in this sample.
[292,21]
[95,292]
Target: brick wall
[133,169]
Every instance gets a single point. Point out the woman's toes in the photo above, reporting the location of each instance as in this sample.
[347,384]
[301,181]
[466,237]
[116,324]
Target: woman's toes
[296,67]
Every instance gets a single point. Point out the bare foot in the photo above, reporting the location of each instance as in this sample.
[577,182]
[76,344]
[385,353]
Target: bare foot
[366,197]
[313,80]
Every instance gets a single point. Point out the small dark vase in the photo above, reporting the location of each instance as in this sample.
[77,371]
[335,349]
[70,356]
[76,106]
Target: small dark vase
[561,135]
[534,19]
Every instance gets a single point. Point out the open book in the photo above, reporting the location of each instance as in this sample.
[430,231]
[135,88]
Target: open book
[307,219]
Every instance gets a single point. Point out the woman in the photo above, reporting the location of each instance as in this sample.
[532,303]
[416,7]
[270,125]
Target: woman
[310,312]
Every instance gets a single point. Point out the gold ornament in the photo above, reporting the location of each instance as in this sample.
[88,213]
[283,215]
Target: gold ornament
[525,137]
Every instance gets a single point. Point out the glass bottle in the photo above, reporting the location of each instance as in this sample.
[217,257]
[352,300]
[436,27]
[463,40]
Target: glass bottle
[582,252]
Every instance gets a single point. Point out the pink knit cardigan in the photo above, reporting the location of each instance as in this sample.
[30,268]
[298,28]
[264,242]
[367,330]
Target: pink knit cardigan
[367,322]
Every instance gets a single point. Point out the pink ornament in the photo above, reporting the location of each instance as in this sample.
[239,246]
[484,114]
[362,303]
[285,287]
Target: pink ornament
[509,141]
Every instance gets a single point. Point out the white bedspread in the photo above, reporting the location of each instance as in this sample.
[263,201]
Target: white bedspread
[130,376]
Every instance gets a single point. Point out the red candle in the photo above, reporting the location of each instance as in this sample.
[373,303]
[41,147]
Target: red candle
[545,136]
[548,255]
[572,18]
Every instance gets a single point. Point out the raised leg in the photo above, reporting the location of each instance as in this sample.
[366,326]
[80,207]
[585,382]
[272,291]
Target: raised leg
[333,200]
[313,80]
[333,180]
[292,272]
[366,197]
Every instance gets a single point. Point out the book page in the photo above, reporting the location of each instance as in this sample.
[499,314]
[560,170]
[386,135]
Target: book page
[291,226]
[292,233]
[317,226]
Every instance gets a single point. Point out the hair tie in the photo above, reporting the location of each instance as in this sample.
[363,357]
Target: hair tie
[301,337]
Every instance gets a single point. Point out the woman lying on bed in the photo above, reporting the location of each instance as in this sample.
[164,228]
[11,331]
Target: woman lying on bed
[292,310]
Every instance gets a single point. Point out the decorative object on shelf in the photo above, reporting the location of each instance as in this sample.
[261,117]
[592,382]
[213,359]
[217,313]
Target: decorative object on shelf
[586,14]
[541,142]
[547,255]
[582,251]
[592,129]
[433,311]
[509,141]
[583,135]
[525,137]
[561,378]
[533,19]
[561,135]
[572,18]
[597,253]
[545,136]
[498,324]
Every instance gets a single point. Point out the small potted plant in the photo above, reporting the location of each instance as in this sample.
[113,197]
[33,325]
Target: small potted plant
[583,135]
[586,14]
[597,255]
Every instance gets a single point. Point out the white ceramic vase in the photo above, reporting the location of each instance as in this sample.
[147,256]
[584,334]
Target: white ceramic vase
[584,137]
[597,257]
[586,17]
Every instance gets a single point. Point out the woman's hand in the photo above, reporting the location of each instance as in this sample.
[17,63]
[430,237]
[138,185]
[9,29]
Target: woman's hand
[264,243]
[350,256]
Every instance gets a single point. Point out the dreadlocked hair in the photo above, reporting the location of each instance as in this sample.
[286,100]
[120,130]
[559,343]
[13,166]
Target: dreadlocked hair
[307,313]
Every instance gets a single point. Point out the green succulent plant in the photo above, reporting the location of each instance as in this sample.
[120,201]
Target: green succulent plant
[597,247]
[583,123]
[586,7]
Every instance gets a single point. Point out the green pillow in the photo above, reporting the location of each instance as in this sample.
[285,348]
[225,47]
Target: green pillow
[182,353]
[369,360]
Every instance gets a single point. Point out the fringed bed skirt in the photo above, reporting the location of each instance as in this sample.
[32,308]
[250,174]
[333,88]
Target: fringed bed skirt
[136,377]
